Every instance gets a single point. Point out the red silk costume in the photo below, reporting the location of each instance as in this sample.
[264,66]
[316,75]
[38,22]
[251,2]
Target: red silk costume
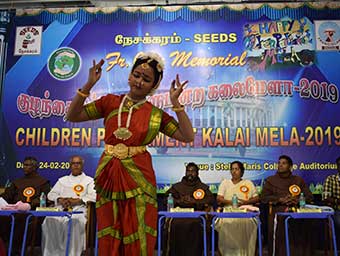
[126,188]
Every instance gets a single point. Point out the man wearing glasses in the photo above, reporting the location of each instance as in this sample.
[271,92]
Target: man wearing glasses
[23,194]
[70,193]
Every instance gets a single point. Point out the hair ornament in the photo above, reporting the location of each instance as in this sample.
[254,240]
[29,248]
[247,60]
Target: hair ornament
[151,56]
[145,65]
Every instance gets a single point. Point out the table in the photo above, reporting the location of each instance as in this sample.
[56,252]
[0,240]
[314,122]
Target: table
[11,214]
[49,214]
[309,215]
[190,215]
[236,215]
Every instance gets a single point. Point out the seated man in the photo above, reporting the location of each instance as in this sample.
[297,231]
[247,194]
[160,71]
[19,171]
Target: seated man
[189,193]
[27,190]
[69,193]
[236,236]
[331,196]
[281,191]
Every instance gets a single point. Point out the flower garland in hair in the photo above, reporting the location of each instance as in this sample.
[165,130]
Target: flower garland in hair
[151,56]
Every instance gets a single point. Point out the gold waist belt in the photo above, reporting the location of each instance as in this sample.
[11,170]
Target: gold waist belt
[121,151]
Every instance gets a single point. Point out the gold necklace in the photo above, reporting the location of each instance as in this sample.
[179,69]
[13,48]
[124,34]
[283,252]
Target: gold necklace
[123,133]
[129,103]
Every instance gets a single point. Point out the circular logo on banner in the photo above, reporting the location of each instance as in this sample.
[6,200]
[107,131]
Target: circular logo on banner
[64,63]
[199,194]
[295,190]
[329,33]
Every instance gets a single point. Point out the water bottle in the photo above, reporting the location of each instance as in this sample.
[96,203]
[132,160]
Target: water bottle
[42,200]
[302,201]
[170,204]
[234,202]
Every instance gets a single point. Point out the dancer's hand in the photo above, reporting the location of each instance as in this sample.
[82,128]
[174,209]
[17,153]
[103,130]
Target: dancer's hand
[95,72]
[176,89]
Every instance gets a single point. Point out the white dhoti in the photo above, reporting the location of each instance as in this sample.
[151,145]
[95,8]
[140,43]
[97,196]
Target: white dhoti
[236,237]
[54,235]
[54,229]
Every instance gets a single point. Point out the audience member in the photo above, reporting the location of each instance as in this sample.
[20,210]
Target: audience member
[71,192]
[236,236]
[281,192]
[190,192]
[23,194]
[28,188]
[331,196]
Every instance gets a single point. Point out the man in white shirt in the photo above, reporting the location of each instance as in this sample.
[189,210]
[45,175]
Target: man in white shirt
[70,192]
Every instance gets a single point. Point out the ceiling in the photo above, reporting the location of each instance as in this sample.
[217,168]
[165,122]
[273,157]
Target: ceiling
[22,4]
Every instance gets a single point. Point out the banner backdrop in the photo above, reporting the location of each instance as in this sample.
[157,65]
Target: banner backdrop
[263,81]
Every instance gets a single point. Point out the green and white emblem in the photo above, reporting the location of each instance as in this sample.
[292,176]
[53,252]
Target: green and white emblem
[64,63]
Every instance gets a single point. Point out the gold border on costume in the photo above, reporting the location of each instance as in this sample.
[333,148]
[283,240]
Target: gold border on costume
[92,111]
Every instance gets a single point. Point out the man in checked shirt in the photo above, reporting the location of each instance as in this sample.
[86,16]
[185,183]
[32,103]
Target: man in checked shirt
[331,196]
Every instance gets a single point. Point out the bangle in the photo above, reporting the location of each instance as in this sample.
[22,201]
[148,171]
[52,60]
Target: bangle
[84,95]
[179,109]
